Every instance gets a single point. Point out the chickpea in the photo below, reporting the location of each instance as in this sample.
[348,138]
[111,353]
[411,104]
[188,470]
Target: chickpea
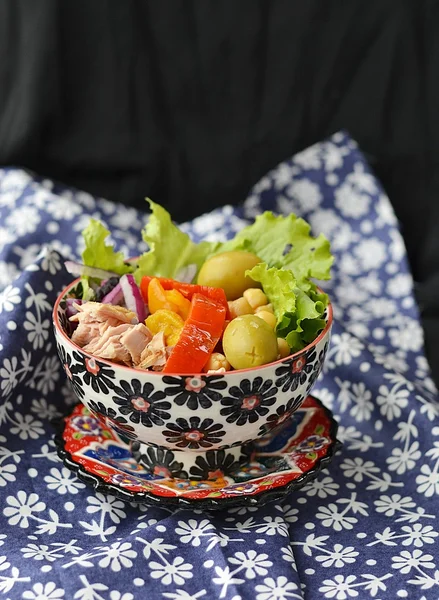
[266,307]
[284,349]
[239,307]
[268,317]
[255,297]
[217,361]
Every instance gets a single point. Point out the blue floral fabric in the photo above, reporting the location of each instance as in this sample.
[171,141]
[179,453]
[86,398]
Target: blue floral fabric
[366,528]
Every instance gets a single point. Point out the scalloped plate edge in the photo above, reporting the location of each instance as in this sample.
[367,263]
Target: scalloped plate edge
[259,499]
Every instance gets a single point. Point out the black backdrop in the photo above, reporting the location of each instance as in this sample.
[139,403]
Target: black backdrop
[192,101]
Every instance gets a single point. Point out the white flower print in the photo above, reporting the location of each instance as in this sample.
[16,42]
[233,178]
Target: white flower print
[305,193]
[6,237]
[372,253]
[339,588]
[383,307]
[274,589]
[308,158]
[349,264]
[116,595]
[23,220]
[106,504]
[392,401]
[418,535]
[357,468]
[8,272]
[175,572]
[333,156]
[9,297]
[26,426]
[61,207]
[21,507]
[273,526]
[38,330]
[124,219]
[331,517]
[42,409]
[253,563]
[349,293]
[51,261]
[403,460]
[118,555]
[407,560]
[344,348]
[428,481]
[8,375]
[408,336]
[389,505]
[362,180]
[391,362]
[192,531]
[350,202]
[325,221]
[63,481]
[41,591]
[4,564]
[344,237]
[362,402]
[7,474]
[288,556]
[41,552]
[338,557]
[28,255]
[385,212]
[401,285]
[282,175]
[322,488]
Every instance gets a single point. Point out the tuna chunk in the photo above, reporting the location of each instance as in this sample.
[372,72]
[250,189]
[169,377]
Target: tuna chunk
[106,332]
[135,339]
[94,319]
[95,311]
[155,354]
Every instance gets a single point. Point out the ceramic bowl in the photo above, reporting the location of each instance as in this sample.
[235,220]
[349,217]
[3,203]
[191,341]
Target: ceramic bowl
[194,426]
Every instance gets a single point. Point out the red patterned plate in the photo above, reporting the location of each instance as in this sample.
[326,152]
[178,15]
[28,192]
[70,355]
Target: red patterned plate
[283,461]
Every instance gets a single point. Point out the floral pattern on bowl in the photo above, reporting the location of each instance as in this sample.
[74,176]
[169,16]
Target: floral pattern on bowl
[284,460]
[206,422]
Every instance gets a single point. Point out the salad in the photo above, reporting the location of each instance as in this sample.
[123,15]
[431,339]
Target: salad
[186,307]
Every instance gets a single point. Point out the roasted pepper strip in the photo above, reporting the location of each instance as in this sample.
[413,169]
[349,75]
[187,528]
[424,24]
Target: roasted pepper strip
[187,289]
[200,334]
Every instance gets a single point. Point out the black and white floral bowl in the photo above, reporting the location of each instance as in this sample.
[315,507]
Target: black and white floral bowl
[195,426]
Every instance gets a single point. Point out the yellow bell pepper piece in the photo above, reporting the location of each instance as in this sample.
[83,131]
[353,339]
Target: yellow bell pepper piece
[167,321]
[183,304]
[157,299]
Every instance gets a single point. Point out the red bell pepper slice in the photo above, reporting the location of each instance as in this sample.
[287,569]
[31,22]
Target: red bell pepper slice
[201,332]
[187,289]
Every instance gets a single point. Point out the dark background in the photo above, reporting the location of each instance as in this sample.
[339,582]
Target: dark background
[192,101]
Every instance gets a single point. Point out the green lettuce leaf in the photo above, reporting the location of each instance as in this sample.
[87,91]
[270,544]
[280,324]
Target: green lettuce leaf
[170,249]
[298,312]
[98,254]
[286,243]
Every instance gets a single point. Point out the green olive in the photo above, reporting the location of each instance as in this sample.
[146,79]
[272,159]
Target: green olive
[227,271]
[248,341]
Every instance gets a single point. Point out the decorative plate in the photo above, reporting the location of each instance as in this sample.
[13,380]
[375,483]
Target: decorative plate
[284,460]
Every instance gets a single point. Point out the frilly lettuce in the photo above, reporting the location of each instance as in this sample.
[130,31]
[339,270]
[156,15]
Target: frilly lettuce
[98,254]
[299,314]
[286,243]
[170,249]
[291,258]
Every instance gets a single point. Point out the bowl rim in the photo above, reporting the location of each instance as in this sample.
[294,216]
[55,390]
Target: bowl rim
[132,370]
